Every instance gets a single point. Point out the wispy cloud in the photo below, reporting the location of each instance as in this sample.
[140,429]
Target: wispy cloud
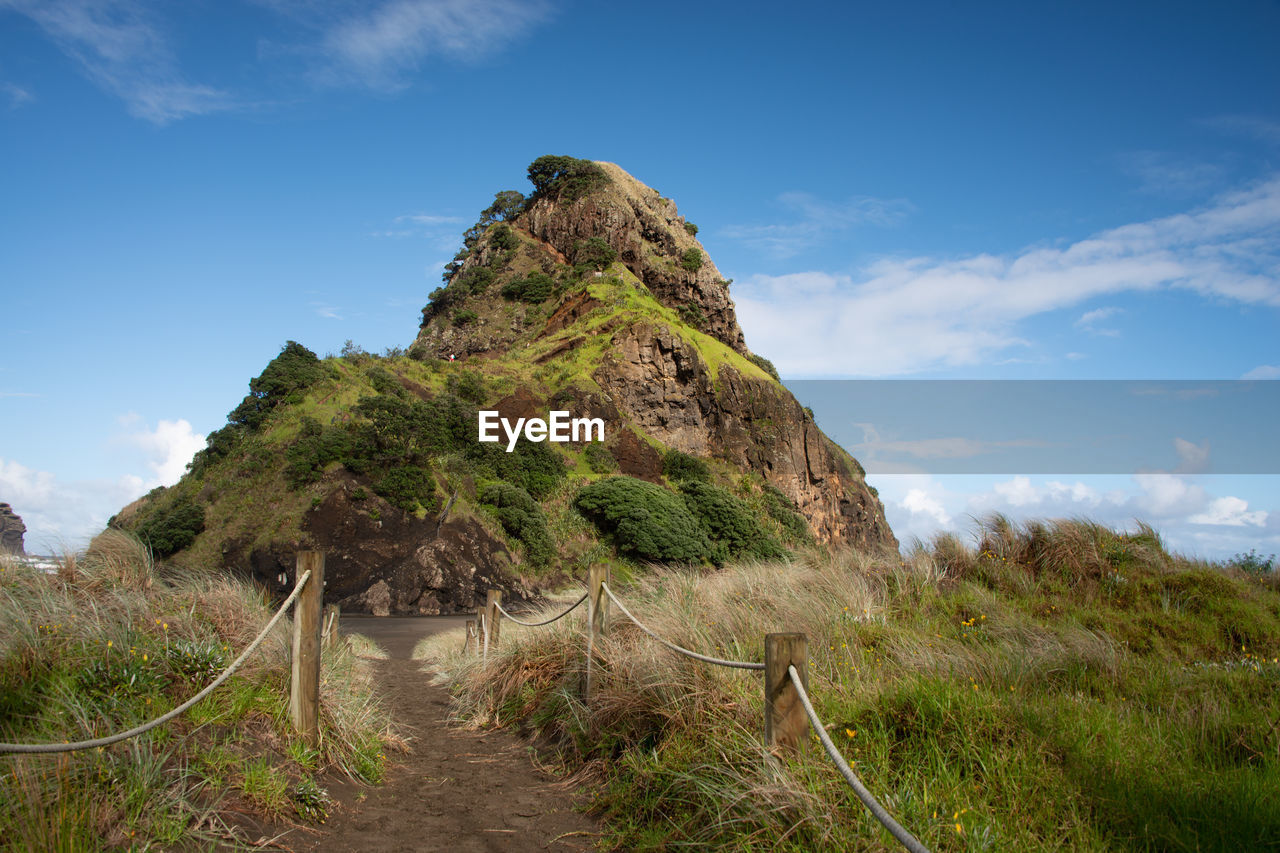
[123,49]
[17,394]
[1262,129]
[1164,173]
[903,315]
[16,94]
[816,220]
[1089,321]
[329,312]
[429,219]
[380,45]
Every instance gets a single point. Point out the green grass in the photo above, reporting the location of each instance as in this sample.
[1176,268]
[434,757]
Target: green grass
[114,640]
[1017,695]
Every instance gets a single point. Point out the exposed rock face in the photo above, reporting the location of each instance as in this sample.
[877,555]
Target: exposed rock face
[668,390]
[11,531]
[394,564]
[650,237]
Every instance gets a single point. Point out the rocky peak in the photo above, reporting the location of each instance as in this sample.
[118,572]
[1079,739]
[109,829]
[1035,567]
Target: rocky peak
[11,531]
[651,238]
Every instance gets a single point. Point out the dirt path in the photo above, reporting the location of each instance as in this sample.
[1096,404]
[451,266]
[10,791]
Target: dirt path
[455,790]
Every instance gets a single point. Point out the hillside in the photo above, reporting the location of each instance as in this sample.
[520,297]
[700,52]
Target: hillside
[591,296]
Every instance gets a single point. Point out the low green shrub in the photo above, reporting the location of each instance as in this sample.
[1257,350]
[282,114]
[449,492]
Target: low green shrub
[730,527]
[534,288]
[599,459]
[691,260]
[593,254]
[766,365]
[406,487]
[464,317]
[645,520]
[172,528]
[520,516]
[677,465]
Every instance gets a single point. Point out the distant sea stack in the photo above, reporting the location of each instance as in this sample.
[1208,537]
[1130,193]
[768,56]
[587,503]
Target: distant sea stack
[11,532]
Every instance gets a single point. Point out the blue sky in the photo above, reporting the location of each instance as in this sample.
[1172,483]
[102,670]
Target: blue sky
[907,190]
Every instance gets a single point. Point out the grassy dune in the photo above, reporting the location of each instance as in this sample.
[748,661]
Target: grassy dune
[1059,686]
[111,641]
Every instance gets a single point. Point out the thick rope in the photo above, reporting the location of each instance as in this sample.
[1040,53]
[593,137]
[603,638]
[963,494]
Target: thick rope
[907,840]
[572,607]
[736,664]
[145,727]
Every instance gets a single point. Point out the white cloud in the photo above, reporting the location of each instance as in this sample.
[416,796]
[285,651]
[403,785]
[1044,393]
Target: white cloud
[1263,371]
[1231,512]
[379,46]
[1192,457]
[62,515]
[903,315]
[920,502]
[818,221]
[169,447]
[1018,492]
[429,219]
[1089,321]
[329,312]
[123,49]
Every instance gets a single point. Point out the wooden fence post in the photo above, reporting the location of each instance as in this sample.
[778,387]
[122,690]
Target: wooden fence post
[785,722]
[471,632]
[597,616]
[304,689]
[492,616]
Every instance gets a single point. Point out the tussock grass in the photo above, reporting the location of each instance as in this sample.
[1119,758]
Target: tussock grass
[1060,686]
[113,640]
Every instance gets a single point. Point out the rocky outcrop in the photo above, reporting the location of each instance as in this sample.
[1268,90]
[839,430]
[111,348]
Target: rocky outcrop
[650,237]
[667,389]
[382,561]
[11,532]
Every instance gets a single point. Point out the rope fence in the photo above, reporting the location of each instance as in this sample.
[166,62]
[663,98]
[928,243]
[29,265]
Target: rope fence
[316,571]
[734,664]
[561,615]
[788,708]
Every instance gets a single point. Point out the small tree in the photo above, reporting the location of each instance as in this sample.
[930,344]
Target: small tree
[691,259]
[595,253]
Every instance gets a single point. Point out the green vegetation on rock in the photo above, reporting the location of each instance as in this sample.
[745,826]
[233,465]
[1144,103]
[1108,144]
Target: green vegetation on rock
[645,520]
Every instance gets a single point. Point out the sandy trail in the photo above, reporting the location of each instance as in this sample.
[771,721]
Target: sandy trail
[455,790]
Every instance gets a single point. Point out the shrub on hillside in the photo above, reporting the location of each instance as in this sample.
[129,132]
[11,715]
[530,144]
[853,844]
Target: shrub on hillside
[729,525]
[406,487]
[565,178]
[173,528]
[681,466]
[593,254]
[691,228]
[691,260]
[599,459]
[520,516]
[783,510]
[767,366]
[314,449]
[534,288]
[383,382]
[283,379]
[464,317]
[692,315]
[645,520]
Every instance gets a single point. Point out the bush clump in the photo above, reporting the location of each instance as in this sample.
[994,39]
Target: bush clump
[599,459]
[294,370]
[645,520]
[678,466]
[464,317]
[767,366]
[170,529]
[593,254]
[691,260]
[729,525]
[406,487]
[565,178]
[520,516]
[783,510]
[534,288]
